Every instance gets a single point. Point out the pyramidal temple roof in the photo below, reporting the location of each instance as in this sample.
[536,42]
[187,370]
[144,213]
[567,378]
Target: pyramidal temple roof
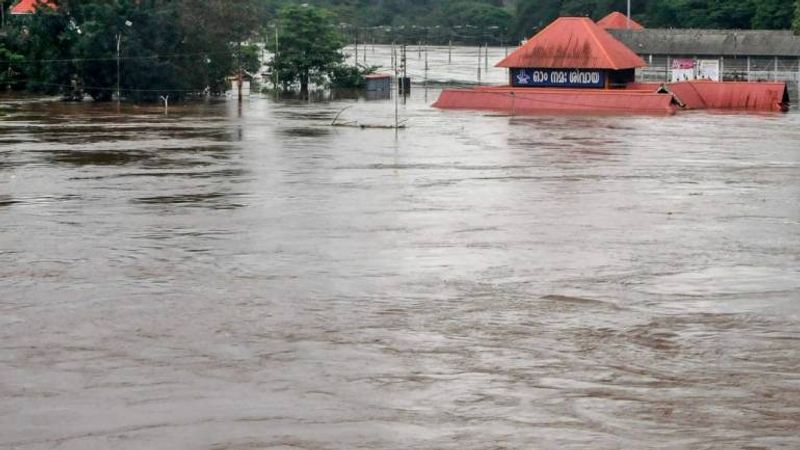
[618,21]
[573,43]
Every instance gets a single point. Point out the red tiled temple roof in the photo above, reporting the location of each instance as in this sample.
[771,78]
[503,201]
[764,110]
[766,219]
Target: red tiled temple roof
[618,21]
[573,43]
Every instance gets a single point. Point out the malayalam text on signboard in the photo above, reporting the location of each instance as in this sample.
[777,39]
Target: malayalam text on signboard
[558,78]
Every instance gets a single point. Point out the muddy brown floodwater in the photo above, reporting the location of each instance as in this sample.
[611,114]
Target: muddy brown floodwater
[225,278]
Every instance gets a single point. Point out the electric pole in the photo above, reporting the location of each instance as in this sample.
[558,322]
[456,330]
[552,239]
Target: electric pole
[479,63]
[119,44]
[629,15]
[128,24]
[239,74]
[275,71]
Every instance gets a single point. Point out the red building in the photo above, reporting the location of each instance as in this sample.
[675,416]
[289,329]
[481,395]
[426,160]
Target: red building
[574,65]
[572,52]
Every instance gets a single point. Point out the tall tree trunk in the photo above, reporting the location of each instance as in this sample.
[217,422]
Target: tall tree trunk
[304,83]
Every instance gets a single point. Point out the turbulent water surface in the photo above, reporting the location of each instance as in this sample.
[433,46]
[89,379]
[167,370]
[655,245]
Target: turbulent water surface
[248,278]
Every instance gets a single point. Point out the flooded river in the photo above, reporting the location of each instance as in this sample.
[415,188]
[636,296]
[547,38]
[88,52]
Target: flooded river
[252,278]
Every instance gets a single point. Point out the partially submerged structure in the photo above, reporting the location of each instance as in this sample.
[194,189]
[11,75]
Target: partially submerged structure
[675,54]
[572,52]
[735,55]
[378,82]
[575,65]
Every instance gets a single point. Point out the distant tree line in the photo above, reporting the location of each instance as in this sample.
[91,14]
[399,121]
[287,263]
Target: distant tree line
[477,20]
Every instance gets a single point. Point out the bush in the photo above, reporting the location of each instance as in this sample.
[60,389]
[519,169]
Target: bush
[350,77]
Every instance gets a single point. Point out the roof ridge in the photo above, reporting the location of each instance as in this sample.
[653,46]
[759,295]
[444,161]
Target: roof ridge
[599,44]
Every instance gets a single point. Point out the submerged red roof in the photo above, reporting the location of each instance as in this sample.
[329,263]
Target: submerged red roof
[618,21]
[29,6]
[573,43]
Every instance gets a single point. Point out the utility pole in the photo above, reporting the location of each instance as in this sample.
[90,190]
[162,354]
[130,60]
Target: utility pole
[3,12]
[128,23]
[356,42]
[239,75]
[479,63]
[119,45]
[450,52]
[394,57]
[404,61]
[426,72]
[275,72]
[426,62]
[629,15]
[405,73]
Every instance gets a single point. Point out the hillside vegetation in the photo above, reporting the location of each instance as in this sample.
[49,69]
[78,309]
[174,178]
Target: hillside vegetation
[519,18]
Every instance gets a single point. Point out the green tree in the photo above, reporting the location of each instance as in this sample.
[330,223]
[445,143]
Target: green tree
[48,40]
[12,61]
[797,17]
[167,47]
[309,46]
[248,57]
[532,15]
[773,14]
[98,26]
[350,77]
[744,14]
[488,20]
[216,29]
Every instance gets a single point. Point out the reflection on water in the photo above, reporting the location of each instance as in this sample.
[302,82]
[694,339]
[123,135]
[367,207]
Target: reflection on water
[6,200]
[98,157]
[306,132]
[214,200]
[225,278]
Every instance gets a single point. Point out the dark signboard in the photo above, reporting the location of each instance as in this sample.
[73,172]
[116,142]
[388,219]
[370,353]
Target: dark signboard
[573,78]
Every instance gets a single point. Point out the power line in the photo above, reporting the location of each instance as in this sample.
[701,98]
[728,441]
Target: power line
[112,58]
[112,88]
